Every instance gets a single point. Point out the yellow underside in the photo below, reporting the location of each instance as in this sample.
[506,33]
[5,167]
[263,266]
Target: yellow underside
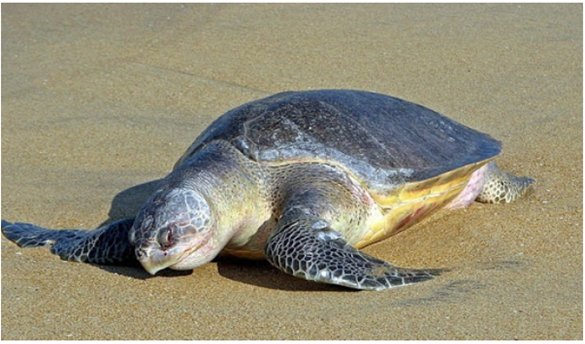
[415,201]
[401,208]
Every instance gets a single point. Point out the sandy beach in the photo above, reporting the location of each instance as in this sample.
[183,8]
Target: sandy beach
[99,101]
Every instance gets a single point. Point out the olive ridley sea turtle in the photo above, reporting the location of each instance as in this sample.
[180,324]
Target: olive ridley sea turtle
[304,180]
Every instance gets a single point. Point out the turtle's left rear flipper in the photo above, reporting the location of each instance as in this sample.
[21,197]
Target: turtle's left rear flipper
[309,248]
[105,245]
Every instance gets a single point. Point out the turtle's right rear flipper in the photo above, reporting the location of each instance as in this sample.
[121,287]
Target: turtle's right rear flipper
[105,245]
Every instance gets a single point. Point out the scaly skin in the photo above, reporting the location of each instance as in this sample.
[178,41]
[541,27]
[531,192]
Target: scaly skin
[105,245]
[502,187]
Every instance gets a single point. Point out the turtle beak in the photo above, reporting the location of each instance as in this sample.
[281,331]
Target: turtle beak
[151,268]
[147,264]
[153,260]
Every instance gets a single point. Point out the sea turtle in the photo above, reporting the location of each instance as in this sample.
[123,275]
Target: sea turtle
[303,179]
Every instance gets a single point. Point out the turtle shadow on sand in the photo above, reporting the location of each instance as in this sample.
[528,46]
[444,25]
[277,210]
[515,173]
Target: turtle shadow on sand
[262,274]
[127,203]
[137,272]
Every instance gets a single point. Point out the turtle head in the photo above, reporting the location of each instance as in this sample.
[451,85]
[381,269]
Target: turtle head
[175,229]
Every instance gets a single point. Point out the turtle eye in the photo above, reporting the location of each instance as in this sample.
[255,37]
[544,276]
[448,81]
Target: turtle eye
[166,238]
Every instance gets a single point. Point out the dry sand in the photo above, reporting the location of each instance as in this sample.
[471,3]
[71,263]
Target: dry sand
[98,99]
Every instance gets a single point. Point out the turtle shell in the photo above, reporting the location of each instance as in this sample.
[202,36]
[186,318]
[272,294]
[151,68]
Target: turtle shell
[385,142]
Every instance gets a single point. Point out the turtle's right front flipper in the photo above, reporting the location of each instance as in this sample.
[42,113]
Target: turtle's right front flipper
[308,248]
[105,245]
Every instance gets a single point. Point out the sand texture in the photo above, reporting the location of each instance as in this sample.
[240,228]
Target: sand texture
[99,101]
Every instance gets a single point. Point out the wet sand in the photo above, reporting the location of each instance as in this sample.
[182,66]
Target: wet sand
[100,100]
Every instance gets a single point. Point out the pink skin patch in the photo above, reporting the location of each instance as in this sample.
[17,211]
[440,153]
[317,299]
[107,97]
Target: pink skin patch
[415,217]
[473,188]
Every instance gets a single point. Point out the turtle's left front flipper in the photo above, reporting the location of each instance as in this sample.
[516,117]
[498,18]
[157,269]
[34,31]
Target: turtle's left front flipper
[308,248]
[105,245]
